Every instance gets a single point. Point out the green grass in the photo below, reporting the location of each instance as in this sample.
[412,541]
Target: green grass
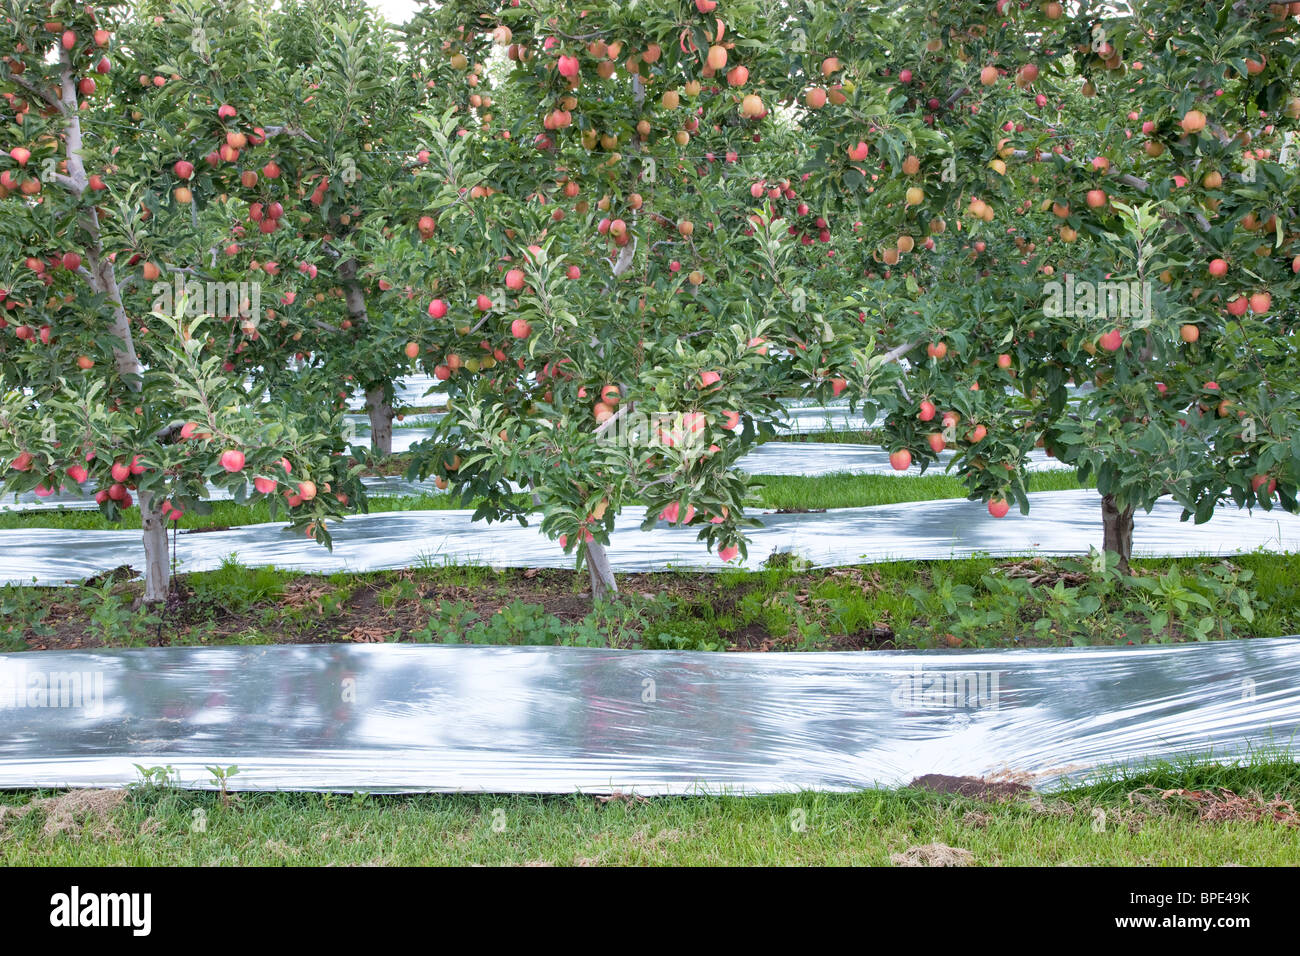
[977,602]
[772,491]
[1094,825]
[860,491]
[849,436]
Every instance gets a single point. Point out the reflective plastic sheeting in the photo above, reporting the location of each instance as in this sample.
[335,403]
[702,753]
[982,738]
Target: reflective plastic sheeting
[558,720]
[1059,523]
[827,458]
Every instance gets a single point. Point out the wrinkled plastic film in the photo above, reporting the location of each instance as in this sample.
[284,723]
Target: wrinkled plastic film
[1059,523]
[559,720]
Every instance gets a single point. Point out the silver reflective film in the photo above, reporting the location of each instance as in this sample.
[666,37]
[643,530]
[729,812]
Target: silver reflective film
[1059,523]
[559,720]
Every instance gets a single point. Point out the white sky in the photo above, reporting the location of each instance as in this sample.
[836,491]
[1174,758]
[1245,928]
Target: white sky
[395,11]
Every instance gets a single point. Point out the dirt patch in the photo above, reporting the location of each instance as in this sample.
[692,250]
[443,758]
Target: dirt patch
[76,813]
[974,787]
[1040,571]
[120,573]
[1224,806]
[933,854]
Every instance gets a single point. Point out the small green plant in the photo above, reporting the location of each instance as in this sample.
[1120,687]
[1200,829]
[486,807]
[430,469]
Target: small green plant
[155,778]
[112,618]
[221,777]
[234,588]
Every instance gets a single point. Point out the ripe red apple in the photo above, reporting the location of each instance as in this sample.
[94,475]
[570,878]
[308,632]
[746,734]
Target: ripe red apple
[1237,306]
[709,378]
[1260,481]
[412,350]
[264,485]
[1189,333]
[900,460]
[1218,268]
[520,329]
[23,462]
[121,471]
[183,169]
[927,411]
[1260,302]
[232,460]
[998,507]
[483,303]
[1111,341]
[1004,360]
[515,280]
[306,490]
[77,473]
[437,309]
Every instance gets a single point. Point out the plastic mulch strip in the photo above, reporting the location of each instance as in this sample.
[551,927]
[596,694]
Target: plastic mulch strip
[402,717]
[1059,523]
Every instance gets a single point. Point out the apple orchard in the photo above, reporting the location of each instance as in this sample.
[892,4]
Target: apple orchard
[621,234]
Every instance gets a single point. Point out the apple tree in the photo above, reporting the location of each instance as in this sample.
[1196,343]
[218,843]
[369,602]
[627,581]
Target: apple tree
[120,325]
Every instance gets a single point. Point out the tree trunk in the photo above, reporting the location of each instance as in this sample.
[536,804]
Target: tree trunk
[1117,530]
[156,557]
[602,578]
[101,275]
[380,411]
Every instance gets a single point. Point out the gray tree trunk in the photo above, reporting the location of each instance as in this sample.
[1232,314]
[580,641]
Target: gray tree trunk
[602,578]
[1117,530]
[157,573]
[380,411]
